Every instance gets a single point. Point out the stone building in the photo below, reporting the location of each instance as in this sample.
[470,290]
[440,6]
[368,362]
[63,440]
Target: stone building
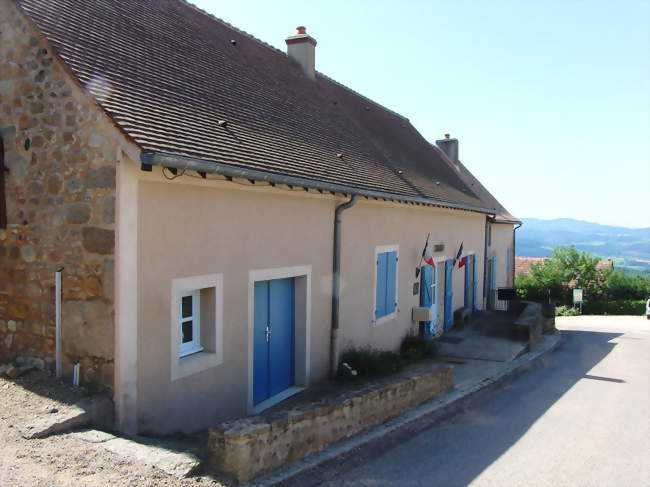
[228,219]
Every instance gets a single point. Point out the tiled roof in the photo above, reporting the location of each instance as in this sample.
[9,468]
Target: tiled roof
[167,72]
[523,265]
[501,214]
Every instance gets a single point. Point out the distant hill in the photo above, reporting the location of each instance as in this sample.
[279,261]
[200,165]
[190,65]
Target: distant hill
[628,247]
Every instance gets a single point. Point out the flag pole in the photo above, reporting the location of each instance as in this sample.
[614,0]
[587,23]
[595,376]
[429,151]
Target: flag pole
[417,268]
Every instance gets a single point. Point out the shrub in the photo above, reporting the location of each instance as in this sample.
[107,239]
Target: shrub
[566,311]
[364,363]
[621,286]
[367,363]
[615,307]
[415,348]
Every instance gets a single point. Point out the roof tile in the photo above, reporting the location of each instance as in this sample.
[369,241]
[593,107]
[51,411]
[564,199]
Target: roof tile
[167,73]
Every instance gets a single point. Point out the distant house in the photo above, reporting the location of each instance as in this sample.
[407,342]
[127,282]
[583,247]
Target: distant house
[523,265]
[226,220]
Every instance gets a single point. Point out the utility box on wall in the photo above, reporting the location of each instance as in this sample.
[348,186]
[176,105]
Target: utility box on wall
[421,314]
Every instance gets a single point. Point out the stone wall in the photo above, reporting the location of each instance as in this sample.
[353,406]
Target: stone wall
[530,323]
[249,447]
[61,152]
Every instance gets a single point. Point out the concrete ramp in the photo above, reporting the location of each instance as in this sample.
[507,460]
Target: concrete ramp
[487,337]
[474,346]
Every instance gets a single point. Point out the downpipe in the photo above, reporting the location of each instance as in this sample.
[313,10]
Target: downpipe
[336,283]
[486,299]
[514,251]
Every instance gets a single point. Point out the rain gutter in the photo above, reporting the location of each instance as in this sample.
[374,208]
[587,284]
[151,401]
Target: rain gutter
[189,163]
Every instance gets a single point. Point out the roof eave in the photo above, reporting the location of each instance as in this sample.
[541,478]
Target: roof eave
[501,220]
[189,163]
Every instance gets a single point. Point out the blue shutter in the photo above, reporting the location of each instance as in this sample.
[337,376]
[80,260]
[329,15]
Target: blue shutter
[391,276]
[382,269]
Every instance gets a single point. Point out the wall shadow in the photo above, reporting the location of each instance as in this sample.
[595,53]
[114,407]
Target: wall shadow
[452,448]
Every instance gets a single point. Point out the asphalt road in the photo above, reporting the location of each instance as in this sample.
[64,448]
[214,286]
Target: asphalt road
[580,416]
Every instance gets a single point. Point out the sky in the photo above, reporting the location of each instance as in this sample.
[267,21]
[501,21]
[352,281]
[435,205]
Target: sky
[550,99]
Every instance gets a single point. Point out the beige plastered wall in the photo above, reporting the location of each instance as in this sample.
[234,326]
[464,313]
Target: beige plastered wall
[192,227]
[370,224]
[501,247]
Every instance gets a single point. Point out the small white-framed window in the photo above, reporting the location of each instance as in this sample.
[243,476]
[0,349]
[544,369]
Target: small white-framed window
[196,318]
[190,323]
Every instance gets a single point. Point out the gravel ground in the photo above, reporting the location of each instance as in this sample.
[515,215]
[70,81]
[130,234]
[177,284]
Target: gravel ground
[63,460]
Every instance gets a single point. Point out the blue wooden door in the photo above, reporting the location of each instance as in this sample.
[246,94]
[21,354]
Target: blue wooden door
[468,281]
[428,299]
[474,283]
[273,340]
[449,293]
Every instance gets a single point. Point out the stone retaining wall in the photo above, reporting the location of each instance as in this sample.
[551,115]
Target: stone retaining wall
[532,321]
[61,152]
[249,447]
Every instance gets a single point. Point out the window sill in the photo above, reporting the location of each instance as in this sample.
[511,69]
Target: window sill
[192,351]
[385,319]
[194,363]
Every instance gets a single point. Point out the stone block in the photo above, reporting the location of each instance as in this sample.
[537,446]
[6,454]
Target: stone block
[16,163]
[98,240]
[95,411]
[108,209]
[108,279]
[95,140]
[27,253]
[54,184]
[18,308]
[93,286]
[102,177]
[73,183]
[8,131]
[78,213]
[88,329]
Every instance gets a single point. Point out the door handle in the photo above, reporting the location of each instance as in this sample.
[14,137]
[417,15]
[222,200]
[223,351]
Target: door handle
[267,334]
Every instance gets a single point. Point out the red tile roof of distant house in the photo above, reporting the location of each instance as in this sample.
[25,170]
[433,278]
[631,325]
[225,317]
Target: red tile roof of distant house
[523,265]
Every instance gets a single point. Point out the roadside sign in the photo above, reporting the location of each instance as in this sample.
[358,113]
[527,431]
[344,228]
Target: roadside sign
[577,296]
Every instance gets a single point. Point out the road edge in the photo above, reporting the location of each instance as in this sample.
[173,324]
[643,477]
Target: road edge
[426,409]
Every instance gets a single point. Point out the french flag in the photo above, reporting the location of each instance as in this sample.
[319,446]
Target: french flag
[427,254]
[462,261]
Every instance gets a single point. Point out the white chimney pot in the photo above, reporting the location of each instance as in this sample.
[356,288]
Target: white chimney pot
[301,47]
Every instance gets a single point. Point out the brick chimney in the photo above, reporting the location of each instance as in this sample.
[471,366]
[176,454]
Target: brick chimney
[450,147]
[301,47]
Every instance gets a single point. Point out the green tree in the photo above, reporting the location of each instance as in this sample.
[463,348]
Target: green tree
[619,285]
[555,277]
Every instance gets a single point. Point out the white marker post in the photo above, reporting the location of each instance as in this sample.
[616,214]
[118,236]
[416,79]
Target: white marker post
[57,299]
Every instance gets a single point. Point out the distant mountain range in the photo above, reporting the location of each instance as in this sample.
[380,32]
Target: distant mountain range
[628,247]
